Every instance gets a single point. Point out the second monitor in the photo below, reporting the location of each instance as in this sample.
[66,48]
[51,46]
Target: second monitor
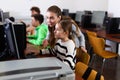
[113,26]
[16,38]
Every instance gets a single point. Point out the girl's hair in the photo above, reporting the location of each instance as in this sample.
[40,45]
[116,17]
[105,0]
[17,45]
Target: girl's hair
[73,23]
[55,9]
[67,27]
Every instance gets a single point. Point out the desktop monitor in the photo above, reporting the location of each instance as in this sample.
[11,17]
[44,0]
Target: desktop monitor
[2,38]
[113,26]
[98,18]
[1,15]
[87,12]
[65,12]
[78,16]
[86,21]
[16,38]
[5,15]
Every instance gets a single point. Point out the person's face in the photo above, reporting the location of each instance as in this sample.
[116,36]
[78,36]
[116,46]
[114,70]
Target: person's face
[59,32]
[52,19]
[34,22]
[33,12]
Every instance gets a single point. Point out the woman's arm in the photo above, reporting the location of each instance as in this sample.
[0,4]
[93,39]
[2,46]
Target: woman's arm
[82,42]
[79,39]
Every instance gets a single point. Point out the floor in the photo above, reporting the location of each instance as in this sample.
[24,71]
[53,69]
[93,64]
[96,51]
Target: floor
[111,70]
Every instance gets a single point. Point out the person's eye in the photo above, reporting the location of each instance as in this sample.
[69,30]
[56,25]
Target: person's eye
[52,17]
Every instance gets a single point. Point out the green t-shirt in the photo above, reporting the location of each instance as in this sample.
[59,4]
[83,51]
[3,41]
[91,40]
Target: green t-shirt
[39,36]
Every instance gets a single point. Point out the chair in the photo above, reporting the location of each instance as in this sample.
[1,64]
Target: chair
[94,34]
[82,56]
[91,33]
[86,73]
[98,45]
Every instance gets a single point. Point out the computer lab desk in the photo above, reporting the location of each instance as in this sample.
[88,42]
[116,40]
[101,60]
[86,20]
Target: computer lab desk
[45,67]
[102,33]
[48,68]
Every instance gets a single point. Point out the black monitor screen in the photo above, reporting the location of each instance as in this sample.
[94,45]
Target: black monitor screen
[1,16]
[65,12]
[16,38]
[72,15]
[2,38]
[113,26]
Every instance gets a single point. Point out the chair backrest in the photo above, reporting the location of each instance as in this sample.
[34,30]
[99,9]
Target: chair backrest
[82,56]
[98,44]
[88,45]
[91,33]
[87,73]
[78,16]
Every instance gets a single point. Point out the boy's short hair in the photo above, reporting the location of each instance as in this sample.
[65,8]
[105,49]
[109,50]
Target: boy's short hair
[12,19]
[35,9]
[38,17]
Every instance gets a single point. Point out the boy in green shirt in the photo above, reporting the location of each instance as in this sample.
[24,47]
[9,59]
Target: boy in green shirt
[40,30]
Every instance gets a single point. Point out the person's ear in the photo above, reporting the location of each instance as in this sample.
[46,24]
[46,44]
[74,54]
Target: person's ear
[60,18]
[66,33]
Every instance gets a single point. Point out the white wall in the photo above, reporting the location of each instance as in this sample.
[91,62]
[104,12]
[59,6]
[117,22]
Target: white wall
[114,7]
[91,5]
[21,8]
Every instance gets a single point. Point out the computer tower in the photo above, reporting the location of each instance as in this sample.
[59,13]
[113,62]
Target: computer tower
[113,26]
[20,30]
[72,15]
[86,21]
[65,12]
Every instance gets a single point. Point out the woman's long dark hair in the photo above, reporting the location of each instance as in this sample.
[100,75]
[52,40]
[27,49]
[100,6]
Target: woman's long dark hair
[55,9]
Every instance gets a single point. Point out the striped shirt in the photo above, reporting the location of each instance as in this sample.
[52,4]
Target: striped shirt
[65,51]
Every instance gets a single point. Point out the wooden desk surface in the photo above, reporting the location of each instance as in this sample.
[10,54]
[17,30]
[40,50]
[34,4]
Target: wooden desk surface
[102,33]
